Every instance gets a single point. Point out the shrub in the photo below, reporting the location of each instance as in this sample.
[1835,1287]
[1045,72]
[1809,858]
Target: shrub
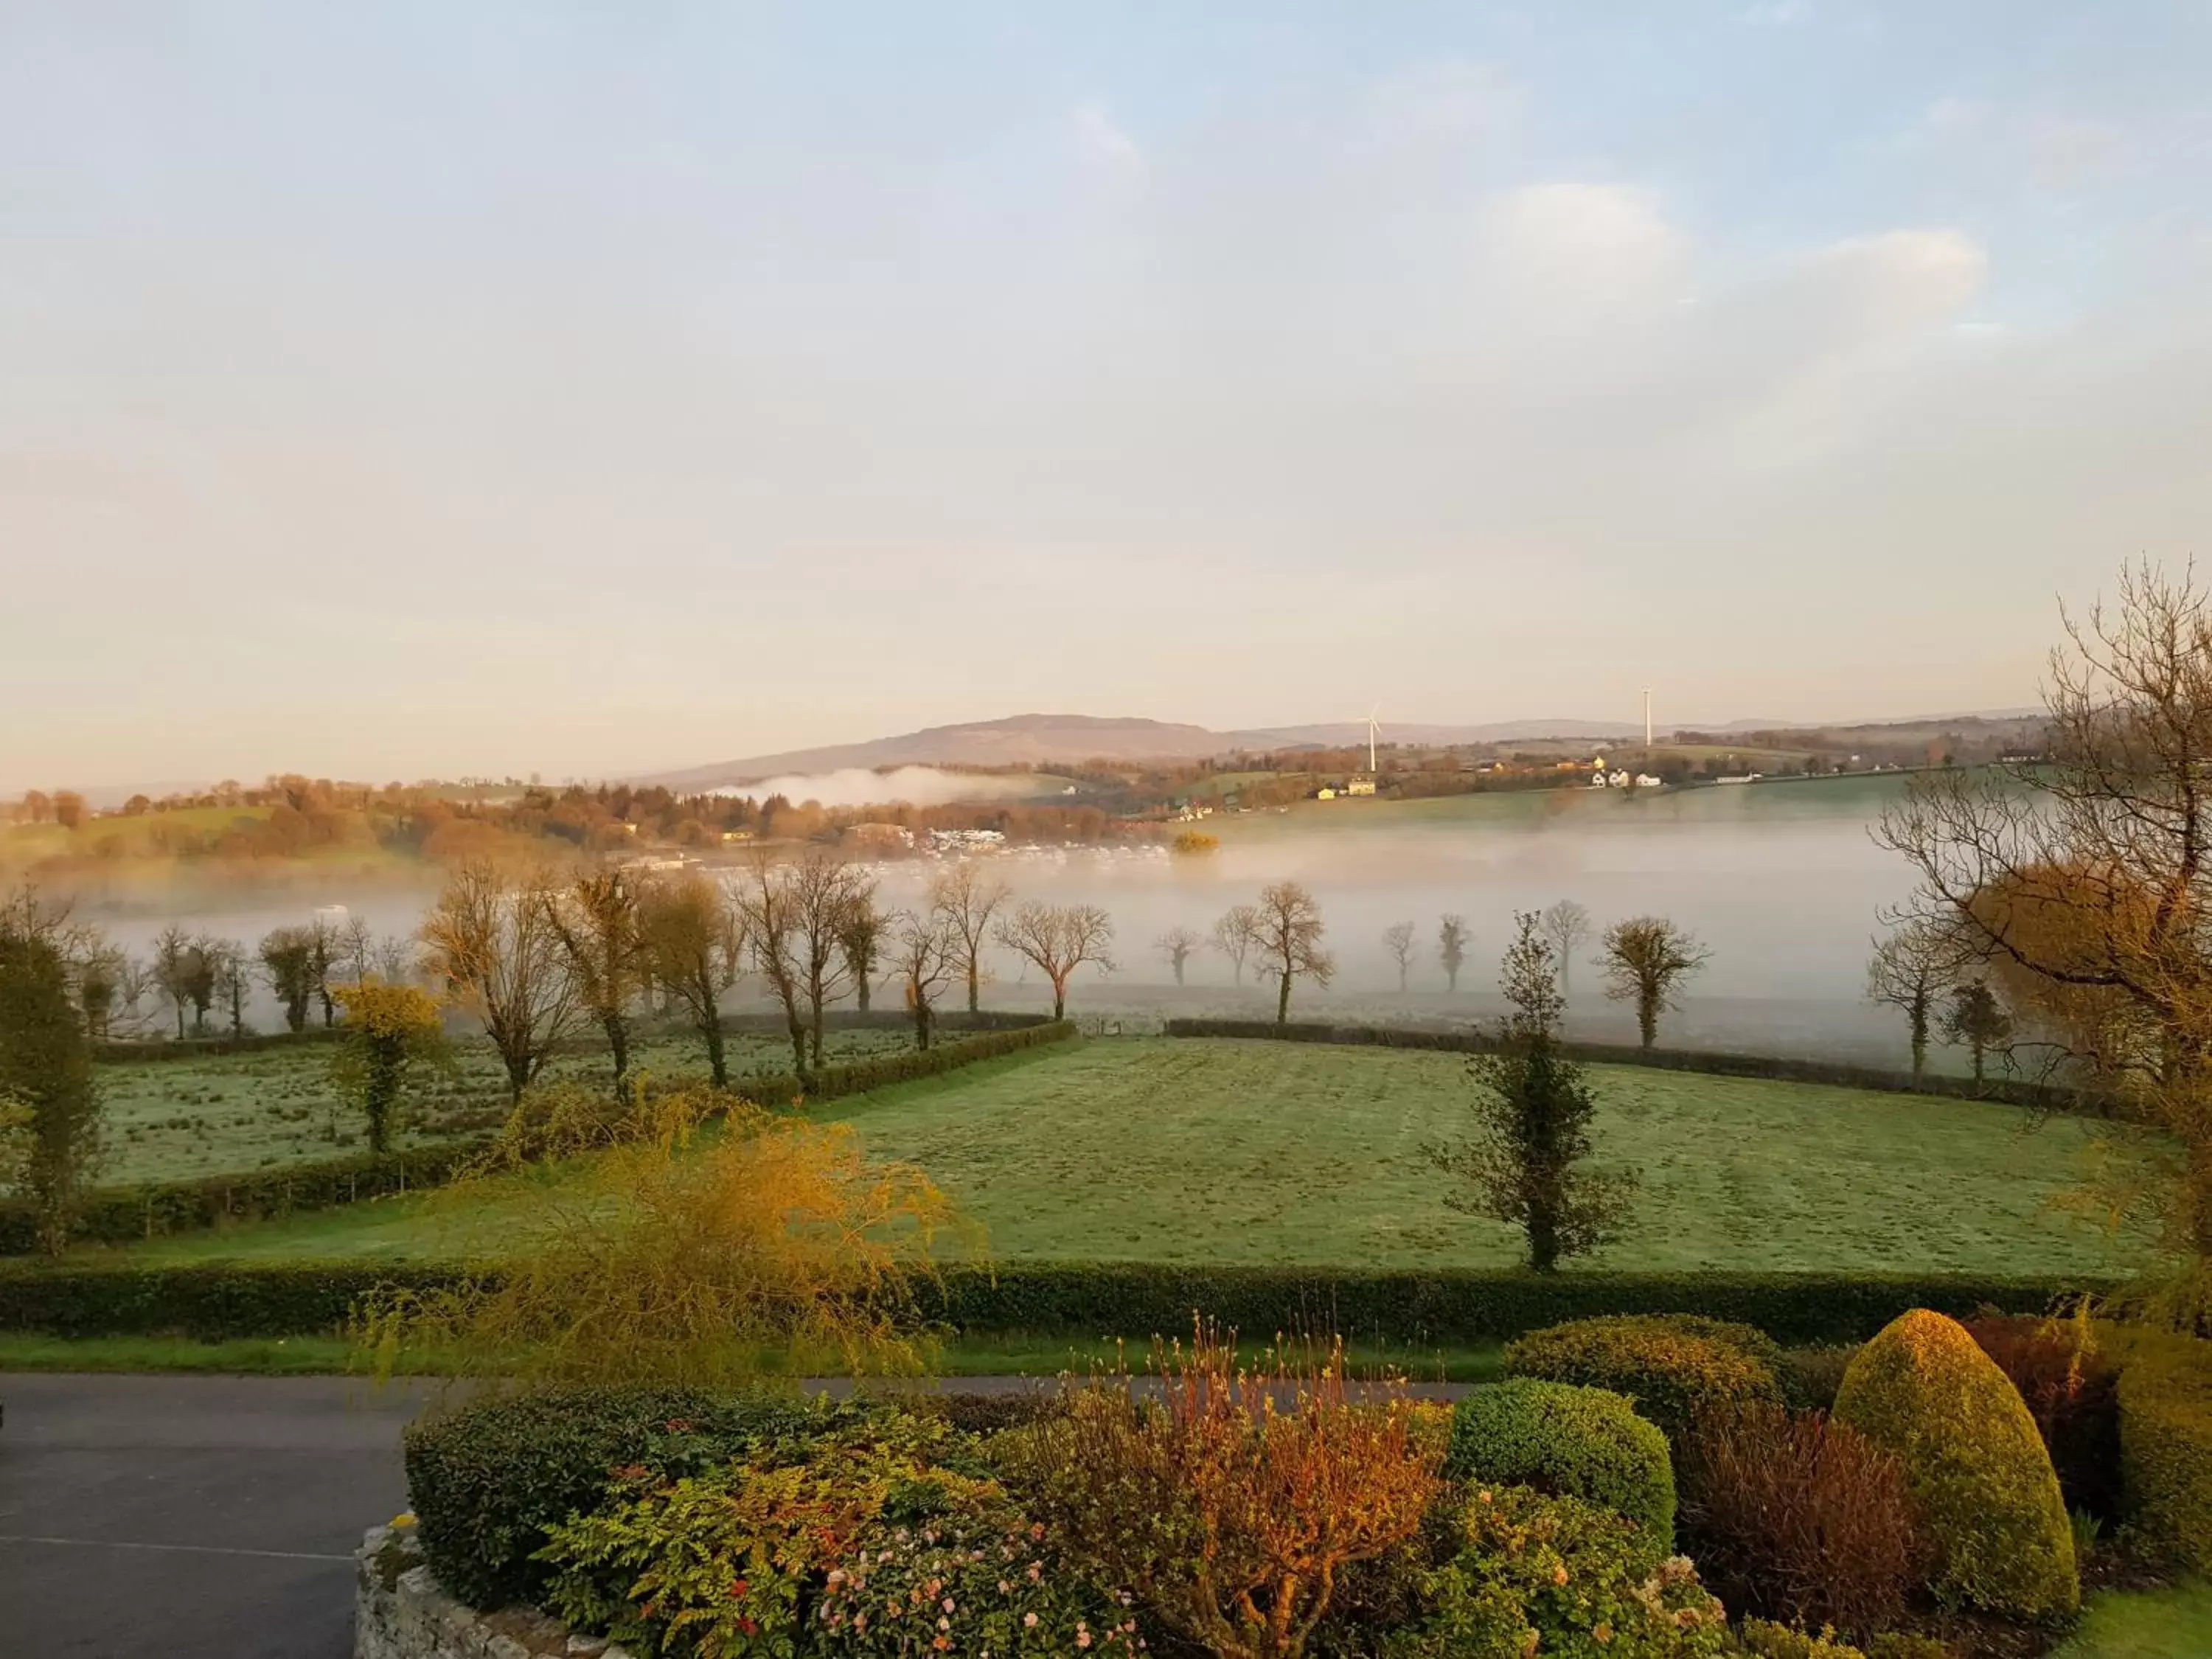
[1763,1639]
[1797,1518]
[1923,1389]
[1575,1442]
[1671,1366]
[1532,1574]
[2165,1448]
[857,1539]
[489,1481]
[1906,1644]
[776,1245]
[2072,1390]
[1811,1376]
[1230,1516]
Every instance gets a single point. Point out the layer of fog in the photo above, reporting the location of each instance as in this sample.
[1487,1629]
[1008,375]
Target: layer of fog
[911,785]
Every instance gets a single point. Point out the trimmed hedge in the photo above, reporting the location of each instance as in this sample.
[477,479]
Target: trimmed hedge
[1923,1390]
[128,1051]
[2010,1090]
[119,1215]
[487,1481]
[277,1298]
[2166,1447]
[1670,1366]
[1562,1438]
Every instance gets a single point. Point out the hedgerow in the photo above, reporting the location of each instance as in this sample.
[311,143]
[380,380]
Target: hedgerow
[2010,1090]
[119,1215]
[222,1299]
[2165,1448]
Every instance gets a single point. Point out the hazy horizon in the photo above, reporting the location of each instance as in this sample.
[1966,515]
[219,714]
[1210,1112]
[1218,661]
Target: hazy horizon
[407,391]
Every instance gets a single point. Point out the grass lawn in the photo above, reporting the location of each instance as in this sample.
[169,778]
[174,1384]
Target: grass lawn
[1219,1152]
[171,1119]
[2167,1624]
[980,1354]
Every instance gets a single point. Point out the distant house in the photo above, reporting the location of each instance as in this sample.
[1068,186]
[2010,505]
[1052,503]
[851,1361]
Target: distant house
[1360,786]
[729,835]
[878,837]
[1325,793]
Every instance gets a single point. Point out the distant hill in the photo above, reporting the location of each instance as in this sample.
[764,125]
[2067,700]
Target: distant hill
[1065,740]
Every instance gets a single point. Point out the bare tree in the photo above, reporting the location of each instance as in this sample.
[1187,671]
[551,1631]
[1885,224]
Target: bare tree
[691,939]
[1398,940]
[490,940]
[1236,934]
[967,898]
[1567,924]
[797,912]
[860,936]
[596,920]
[1646,958]
[174,970]
[925,954]
[288,964]
[1911,970]
[355,951]
[231,965]
[325,957]
[1452,937]
[1287,932]
[2083,881]
[1057,940]
[1177,945]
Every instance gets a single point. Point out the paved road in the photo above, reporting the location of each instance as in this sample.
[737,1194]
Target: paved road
[189,1517]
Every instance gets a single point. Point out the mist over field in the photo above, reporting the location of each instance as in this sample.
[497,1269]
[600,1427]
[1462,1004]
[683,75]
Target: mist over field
[913,786]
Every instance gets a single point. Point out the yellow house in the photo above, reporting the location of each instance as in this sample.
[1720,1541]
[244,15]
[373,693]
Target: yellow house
[1324,794]
[1360,786]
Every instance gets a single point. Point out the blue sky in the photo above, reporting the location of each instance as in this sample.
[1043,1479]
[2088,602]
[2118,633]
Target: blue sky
[414,389]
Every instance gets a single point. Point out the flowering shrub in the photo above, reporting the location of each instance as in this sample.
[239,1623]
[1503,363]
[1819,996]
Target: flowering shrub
[1560,1577]
[1233,1504]
[861,1541]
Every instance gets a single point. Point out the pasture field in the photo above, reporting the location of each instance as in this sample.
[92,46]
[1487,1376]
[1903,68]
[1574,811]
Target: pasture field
[1228,1152]
[170,1120]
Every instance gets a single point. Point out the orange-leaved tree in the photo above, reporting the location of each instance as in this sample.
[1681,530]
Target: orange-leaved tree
[390,1031]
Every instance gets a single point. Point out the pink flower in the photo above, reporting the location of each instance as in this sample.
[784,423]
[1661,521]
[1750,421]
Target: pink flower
[948,1604]
[1028,1621]
[1083,1638]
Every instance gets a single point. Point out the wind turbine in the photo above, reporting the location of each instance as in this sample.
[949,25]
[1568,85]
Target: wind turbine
[1372,728]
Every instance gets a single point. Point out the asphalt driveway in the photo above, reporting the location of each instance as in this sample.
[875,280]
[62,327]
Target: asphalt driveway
[189,1517]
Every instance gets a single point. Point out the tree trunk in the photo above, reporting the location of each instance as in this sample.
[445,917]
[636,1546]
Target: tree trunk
[1451,979]
[1647,1016]
[1401,979]
[1979,1050]
[1059,997]
[1919,1015]
[798,1029]
[518,1076]
[1178,968]
[717,1062]
[974,981]
[237,1009]
[618,1030]
[1283,999]
[862,981]
[921,1025]
[814,1037]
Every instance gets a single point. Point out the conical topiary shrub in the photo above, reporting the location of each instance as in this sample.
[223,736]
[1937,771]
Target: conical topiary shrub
[1924,1390]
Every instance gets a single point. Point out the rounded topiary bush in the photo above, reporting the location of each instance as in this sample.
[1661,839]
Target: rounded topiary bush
[1926,1391]
[1562,1438]
[1671,1366]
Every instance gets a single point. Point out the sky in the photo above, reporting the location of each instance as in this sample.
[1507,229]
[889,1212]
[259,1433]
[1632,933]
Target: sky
[421,390]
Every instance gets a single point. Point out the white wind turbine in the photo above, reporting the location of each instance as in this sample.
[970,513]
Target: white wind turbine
[1372,728]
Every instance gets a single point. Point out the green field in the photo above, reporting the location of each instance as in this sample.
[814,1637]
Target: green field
[2166,1624]
[1216,1151]
[169,1120]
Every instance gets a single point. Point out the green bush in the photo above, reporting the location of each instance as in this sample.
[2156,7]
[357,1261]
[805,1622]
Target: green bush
[1577,1442]
[221,1299]
[1925,1391]
[1763,1640]
[1671,1366]
[1533,1574]
[1811,1376]
[1906,1644]
[2165,1448]
[489,1481]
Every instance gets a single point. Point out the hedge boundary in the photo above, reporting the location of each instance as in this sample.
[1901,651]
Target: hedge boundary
[122,1215]
[133,1051]
[2008,1091]
[220,1300]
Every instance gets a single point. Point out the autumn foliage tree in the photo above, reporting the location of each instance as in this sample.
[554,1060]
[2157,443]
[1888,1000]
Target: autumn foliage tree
[1056,940]
[596,919]
[391,1031]
[691,934]
[2082,883]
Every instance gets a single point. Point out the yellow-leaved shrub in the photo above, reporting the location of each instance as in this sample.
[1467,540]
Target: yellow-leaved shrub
[1925,1391]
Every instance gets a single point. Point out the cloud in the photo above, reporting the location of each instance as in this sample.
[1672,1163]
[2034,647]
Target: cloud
[1779,14]
[1101,144]
[1451,99]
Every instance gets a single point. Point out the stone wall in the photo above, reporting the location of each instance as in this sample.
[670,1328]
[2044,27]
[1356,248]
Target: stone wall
[399,1612]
